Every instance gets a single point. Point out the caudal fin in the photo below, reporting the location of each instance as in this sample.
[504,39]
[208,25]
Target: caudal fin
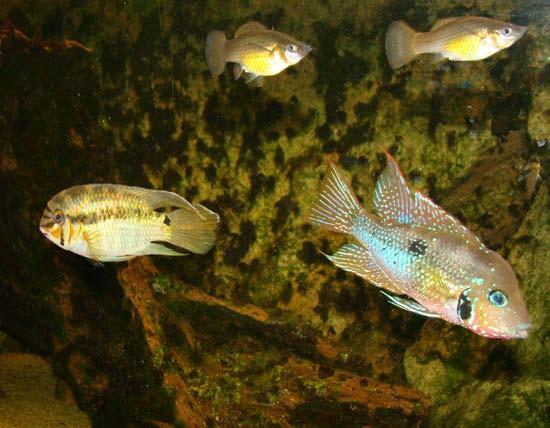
[399,44]
[336,207]
[215,52]
[192,231]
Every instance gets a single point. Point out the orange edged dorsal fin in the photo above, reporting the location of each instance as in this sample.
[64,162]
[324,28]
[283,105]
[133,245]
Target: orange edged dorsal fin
[249,27]
[394,202]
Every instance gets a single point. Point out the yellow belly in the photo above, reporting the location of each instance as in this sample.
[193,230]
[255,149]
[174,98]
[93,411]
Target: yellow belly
[263,63]
[464,48]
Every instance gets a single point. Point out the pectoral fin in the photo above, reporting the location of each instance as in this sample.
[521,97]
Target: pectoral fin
[410,305]
[92,241]
[254,80]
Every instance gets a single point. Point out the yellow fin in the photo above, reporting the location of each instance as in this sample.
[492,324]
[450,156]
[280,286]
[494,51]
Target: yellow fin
[92,241]
[249,27]
[445,21]
[192,231]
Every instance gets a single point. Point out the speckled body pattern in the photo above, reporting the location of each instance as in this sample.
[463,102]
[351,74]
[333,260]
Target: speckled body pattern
[414,248]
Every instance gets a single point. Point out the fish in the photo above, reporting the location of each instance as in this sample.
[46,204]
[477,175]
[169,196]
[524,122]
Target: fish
[421,257]
[469,38]
[113,223]
[255,51]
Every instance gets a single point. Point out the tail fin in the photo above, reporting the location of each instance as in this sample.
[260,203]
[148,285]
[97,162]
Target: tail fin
[196,233]
[400,44]
[336,207]
[215,52]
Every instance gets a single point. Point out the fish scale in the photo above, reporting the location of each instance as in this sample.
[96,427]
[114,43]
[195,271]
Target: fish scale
[109,222]
[413,248]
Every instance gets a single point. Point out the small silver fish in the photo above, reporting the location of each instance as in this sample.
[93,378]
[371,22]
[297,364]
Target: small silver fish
[255,50]
[469,38]
[415,248]
[111,222]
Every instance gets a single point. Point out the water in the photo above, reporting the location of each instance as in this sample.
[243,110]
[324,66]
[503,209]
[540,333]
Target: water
[263,330]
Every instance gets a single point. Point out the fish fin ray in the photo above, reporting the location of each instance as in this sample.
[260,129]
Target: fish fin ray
[249,27]
[253,79]
[92,239]
[399,44]
[158,248]
[395,203]
[336,207]
[162,198]
[193,232]
[410,305]
[215,52]
[357,259]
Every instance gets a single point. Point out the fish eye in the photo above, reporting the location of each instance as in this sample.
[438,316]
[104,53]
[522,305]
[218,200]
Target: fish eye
[498,298]
[59,217]
[506,31]
[292,47]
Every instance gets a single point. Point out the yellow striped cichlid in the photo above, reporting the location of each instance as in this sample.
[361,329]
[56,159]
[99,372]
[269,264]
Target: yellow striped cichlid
[111,222]
[469,38]
[255,50]
[423,258]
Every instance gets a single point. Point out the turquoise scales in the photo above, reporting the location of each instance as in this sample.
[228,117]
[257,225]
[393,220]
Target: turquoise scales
[415,248]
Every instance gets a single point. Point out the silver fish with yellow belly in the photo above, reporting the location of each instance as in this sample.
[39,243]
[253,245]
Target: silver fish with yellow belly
[469,38]
[255,50]
[426,261]
[111,222]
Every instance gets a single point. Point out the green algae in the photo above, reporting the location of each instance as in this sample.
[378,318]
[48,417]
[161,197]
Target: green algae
[154,117]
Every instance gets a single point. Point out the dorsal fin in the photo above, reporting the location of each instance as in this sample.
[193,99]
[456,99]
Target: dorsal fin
[395,203]
[248,27]
[445,21]
[161,198]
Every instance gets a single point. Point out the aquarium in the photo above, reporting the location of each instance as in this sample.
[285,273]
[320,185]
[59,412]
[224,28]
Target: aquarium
[248,213]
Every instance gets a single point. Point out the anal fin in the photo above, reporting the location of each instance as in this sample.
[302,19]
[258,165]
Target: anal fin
[357,259]
[410,305]
[254,80]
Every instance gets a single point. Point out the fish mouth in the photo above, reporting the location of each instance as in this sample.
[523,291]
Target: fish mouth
[522,31]
[522,330]
[307,49]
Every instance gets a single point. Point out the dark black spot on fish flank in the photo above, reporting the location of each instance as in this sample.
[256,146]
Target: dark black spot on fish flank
[418,247]
[167,221]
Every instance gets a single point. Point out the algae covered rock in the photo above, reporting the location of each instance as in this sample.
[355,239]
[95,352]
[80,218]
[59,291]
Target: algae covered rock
[263,330]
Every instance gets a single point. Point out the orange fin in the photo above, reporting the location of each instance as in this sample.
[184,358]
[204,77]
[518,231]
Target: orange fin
[394,202]
[357,259]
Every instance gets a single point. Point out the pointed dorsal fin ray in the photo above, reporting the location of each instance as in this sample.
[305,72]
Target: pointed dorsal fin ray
[248,27]
[395,202]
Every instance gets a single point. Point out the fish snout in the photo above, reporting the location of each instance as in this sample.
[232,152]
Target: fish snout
[522,329]
[307,49]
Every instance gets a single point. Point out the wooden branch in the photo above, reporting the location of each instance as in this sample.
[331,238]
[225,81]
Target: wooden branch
[9,31]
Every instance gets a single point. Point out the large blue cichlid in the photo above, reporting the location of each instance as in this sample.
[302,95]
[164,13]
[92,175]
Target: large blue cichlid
[426,260]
